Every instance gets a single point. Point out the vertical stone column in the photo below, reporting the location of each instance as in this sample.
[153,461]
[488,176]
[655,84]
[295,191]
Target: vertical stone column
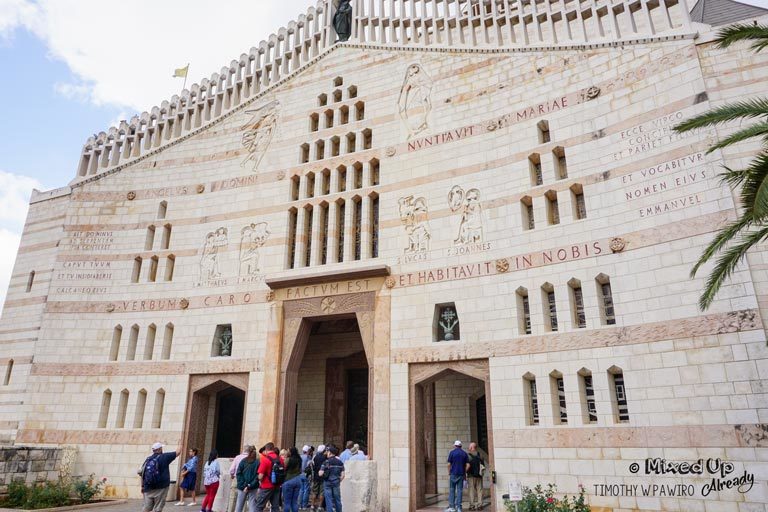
[565,206]
[366,227]
[268,415]
[316,234]
[299,260]
[536,308]
[563,305]
[548,167]
[540,212]
[381,394]
[333,233]
[593,301]
[349,230]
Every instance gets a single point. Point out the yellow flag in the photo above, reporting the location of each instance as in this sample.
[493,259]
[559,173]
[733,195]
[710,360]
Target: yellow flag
[181,72]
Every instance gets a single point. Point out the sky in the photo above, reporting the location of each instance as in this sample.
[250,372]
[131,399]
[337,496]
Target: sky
[73,68]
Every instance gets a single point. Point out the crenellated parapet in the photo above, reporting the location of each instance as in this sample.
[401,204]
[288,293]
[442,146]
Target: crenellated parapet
[485,24]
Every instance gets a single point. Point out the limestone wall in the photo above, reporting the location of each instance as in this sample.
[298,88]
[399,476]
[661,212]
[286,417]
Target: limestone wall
[32,465]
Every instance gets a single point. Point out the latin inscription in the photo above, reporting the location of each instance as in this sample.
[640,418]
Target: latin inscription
[240,181]
[461,250]
[87,241]
[441,138]
[652,135]
[81,290]
[85,271]
[316,290]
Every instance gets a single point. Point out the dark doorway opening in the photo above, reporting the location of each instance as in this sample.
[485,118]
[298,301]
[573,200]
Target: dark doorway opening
[357,407]
[481,423]
[230,405]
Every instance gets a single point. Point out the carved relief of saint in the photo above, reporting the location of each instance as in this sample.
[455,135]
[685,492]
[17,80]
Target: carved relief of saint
[415,101]
[209,260]
[471,226]
[251,239]
[259,131]
[413,214]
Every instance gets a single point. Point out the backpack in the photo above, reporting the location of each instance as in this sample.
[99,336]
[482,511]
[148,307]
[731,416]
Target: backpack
[309,470]
[150,473]
[278,471]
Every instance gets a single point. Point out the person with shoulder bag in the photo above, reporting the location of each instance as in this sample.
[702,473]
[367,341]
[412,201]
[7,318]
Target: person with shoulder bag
[475,478]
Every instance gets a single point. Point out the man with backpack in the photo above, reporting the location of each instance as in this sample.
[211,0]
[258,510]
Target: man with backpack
[271,477]
[156,478]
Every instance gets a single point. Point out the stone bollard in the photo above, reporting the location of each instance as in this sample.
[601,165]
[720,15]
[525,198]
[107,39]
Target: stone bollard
[358,490]
[221,502]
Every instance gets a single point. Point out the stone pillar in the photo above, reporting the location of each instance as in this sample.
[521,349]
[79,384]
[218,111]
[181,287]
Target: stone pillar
[349,229]
[316,234]
[380,385]
[565,206]
[540,212]
[333,233]
[548,168]
[366,226]
[299,259]
[563,305]
[270,394]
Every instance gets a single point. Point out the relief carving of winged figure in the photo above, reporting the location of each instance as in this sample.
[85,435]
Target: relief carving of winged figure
[259,131]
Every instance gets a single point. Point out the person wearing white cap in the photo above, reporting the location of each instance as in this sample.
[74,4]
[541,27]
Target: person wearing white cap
[307,452]
[458,465]
[156,478]
[318,495]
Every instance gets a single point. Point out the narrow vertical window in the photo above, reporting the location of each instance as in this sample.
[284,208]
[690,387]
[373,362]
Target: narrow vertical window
[335,146]
[133,340]
[122,409]
[560,411]
[359,111]
[553,209]
[30,281]
[375,177]
[526,206]
[106,400]
[157,414]
[605,295]
[136,273]
[8,372]
[292,220]
[341,231]
[534,165]
[336,96]
[344,115]
[543,129]
[162,210]
[167,342]
[589,409]
[149,240]
[577,200]
[152,276]
[322,100]
[114,349]
[532,399]
[523,311]
[295,188]
[319,150]
[149,345]
[342,179]
[326,182]
[352,92]
[166,240]
[170,264]
[309,187]
[367,138]
[561,167]
[328,116]
[578,316]
[618,394]
[307,231]
[357,217]
[314,122]
[141,404]
[304,153]
[358,176]
[324,233]
[550,307]
[375,226]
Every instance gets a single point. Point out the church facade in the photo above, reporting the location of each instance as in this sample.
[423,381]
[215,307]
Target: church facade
[471,220]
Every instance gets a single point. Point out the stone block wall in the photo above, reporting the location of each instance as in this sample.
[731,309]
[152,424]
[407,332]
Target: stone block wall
[32,465]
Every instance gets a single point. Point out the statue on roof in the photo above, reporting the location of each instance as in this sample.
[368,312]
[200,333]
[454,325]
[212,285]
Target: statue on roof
[342,20]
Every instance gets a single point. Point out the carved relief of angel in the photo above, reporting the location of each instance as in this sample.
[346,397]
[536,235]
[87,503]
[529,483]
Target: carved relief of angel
[259,131]
[415,101]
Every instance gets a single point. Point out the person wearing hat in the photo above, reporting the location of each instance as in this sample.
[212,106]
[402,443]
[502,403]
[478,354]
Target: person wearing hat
[318,496]
[156,478]
[232,503]
[307,452]
[357,453]
[458,465]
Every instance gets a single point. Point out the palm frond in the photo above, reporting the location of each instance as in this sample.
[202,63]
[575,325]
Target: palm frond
[742,32]
[746,109]
[732,177]
[756,130]
[726,265]
[755,176]
[722,238]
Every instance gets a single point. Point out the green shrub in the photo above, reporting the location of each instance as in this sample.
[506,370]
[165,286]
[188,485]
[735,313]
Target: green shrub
[88,488]
[17,494]
[543,500]
[48,495]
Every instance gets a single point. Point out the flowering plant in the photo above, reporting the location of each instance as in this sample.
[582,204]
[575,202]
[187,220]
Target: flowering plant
[543,500]
[88,488]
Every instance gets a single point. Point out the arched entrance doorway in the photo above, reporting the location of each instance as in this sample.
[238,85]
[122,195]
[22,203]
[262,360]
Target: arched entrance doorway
[448,401]
[215,415]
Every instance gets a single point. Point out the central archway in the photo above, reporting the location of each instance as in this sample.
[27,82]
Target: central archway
[339,331]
